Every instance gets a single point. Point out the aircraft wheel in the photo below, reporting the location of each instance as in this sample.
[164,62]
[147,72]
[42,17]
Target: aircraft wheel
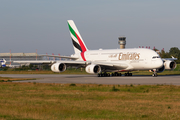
[102,74]
[105,74]
[108,74]
[99,75]
[154,74]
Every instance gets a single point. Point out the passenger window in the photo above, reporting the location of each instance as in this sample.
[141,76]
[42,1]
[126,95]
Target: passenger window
[155,57]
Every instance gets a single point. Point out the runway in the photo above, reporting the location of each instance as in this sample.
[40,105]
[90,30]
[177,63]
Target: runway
[93,79]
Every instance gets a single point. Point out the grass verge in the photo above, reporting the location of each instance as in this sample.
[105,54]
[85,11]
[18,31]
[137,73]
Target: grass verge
[88,101]
[8,79]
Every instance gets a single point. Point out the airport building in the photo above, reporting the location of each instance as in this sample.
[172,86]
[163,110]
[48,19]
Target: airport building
[10,57]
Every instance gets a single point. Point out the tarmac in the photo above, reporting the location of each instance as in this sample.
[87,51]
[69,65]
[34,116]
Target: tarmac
[93,79]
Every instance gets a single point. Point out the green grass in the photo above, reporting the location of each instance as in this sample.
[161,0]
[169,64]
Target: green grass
[177,68]
[31,101]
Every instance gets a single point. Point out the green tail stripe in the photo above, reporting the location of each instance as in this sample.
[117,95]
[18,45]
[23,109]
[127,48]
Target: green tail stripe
[72,31]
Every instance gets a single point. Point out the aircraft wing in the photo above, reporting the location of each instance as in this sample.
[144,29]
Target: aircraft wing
[110,65]
[35,62]
[171,59]
[106,65]
[69,57]
[77,63]
[67,62]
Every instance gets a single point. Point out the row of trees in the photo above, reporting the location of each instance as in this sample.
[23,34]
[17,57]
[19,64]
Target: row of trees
[174,51]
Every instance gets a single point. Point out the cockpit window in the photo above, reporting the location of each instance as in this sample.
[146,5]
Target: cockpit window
[155,57]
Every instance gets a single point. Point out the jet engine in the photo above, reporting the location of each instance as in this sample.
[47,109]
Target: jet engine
[93,69]
[170,65]
[58,67]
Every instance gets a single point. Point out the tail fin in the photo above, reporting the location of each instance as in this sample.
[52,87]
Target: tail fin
[3,62]
[77,40]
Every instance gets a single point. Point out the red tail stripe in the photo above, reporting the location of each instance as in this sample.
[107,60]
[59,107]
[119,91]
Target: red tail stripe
[81,43]
[83,57]
[82,47]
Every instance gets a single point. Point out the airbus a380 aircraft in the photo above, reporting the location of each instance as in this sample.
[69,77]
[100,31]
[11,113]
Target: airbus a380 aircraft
[111,60]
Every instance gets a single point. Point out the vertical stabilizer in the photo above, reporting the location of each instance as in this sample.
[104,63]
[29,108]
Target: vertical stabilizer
[3,62]
[78,43]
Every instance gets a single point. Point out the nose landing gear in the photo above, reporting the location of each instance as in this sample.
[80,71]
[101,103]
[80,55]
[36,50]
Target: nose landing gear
[154,74]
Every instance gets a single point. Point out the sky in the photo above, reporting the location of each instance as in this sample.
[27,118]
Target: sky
[30,25]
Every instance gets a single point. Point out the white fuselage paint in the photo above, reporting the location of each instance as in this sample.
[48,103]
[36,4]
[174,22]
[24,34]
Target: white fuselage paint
[135,59]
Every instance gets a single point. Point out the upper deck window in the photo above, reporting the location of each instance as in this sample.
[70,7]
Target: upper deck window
[155,57]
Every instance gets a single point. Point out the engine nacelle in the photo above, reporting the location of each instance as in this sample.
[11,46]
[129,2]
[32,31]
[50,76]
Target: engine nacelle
[93,69]
[160,69]
[58,67]
[170,65]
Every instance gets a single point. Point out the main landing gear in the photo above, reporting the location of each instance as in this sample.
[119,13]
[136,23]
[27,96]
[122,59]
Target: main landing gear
[113,74]
[128,74]
[154,74]
[104,74]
